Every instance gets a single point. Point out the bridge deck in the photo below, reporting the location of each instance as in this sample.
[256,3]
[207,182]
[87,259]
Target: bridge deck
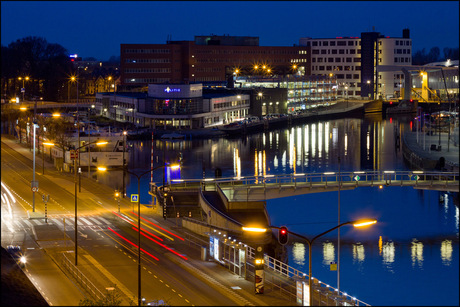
[277,186]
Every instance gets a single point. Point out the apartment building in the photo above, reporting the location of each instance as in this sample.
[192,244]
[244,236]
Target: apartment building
[354,61]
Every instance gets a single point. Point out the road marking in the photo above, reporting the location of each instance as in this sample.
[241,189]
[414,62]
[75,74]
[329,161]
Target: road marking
[105,221]
[37,222]
[28,223]
[58,222]
[86,221]
[167,285]
[149,272]
[95,220]
[144,268]
[155,276]
[161,281]
[173,290]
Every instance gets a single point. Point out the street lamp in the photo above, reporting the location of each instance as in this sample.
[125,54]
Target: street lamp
[98,143]
[72,79]
[346,91]
[23,89]
[102,168]
[368,88]
[358,223]
[124,148]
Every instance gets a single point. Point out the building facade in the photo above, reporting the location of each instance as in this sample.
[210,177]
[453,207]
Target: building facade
[174,106]
[206,59]
[354,61]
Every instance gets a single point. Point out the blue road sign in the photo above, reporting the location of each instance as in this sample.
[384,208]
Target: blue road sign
[134,198]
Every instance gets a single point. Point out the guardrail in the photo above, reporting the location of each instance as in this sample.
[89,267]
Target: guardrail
[81,278]
[326,294]
[416,179]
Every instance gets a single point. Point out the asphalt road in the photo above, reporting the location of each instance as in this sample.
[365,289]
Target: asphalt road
[114,260]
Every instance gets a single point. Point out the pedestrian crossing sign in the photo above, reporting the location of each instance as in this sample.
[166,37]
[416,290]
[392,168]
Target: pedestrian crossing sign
[134,198]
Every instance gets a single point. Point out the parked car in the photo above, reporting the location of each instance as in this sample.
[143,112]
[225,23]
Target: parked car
[16,252]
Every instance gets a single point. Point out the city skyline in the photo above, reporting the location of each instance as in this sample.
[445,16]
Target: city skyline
[96,29]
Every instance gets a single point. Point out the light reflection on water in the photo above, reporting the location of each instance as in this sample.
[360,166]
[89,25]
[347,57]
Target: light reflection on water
[392,260]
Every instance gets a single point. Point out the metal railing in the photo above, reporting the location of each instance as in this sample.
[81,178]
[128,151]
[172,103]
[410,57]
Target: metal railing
[81,278]
[325,292]
[416,179]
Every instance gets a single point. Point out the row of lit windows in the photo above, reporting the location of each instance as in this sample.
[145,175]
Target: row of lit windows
[147,61]
[147,51]
[208,69]
[402,60]
[245,51]
[337,68]
[298,60]
[148,70]
[229,104]
[339,43]
[208,79]
[336,51]
[337,60]
[147,80]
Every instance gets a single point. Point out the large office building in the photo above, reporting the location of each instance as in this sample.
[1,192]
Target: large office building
[355,61]
[206,59]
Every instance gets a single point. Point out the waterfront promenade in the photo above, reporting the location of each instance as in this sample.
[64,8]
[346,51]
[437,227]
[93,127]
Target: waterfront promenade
[418,150]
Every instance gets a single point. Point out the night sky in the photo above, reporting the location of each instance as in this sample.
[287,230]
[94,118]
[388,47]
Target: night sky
[97,28]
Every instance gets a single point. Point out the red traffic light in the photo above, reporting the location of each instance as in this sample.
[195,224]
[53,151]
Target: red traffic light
[283,235]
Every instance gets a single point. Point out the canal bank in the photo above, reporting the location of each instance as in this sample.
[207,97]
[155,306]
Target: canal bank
[431,152]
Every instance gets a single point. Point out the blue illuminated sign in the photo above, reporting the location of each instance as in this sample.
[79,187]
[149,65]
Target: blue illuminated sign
[174,90]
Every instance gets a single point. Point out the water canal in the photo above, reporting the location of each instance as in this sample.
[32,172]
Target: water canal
[410,257]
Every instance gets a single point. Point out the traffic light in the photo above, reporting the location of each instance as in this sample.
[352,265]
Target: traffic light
[283,235]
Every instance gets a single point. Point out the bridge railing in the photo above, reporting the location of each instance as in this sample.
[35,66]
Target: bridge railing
[387,177]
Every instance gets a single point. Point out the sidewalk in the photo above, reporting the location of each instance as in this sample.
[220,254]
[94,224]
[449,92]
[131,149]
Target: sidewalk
[238,287]
[420,147]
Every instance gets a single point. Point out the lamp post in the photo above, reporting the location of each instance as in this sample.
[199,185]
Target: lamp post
[99,143]
[346,92]
[368,88]
[23,89]
[34,183]
[358,223]
[123,192]
[101,168]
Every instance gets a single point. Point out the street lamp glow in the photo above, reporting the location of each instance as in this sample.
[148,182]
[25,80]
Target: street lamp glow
[102,143]
[56,114]
[23,108]
[254,229]
[174,166]
[101,168]
[362,223]
[48,144]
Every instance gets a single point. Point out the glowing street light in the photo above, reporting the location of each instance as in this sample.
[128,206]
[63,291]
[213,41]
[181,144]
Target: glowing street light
[98,143]
[357,223]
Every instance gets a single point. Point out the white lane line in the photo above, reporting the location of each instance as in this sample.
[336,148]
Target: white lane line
[103,219]
[95,220]
[86,221]
[58,222]
[37,222]
[28,223]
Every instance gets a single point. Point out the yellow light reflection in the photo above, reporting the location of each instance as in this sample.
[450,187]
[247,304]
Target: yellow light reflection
[320,139]
[380,245]
[328,253]
[388,253]
[358,252]
[417,253]
[313,140]
[446,252]
[299,253]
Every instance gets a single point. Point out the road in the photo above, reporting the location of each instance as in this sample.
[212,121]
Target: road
[112,259]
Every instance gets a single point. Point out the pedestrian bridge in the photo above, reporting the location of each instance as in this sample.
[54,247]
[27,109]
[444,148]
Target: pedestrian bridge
[257,188]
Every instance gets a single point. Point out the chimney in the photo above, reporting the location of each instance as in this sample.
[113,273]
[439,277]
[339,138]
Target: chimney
[406,33]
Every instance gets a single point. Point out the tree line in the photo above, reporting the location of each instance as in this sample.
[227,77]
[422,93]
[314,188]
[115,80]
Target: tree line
[49,67]
[421,57]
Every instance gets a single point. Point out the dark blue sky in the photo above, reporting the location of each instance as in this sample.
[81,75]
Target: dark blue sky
[97,28]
